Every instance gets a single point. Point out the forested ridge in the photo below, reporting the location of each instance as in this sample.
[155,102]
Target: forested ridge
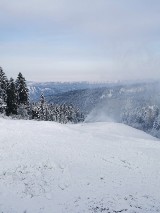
[15,102]
[136,105]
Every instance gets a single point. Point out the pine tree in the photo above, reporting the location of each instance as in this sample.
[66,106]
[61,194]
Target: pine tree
[22,96]
[34,110]
[42,107]
[44,113]
[3,90]
[11,98]
[22,90]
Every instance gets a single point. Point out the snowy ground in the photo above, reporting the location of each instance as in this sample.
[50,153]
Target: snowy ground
[97,167]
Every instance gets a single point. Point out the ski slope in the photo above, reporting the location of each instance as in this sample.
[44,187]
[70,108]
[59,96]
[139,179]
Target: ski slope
[93,167]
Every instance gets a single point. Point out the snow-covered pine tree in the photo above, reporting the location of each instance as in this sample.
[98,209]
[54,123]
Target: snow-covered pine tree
[3,90]
[42,112]
[71,114]
[156,127]
[52,112]
[11,108]
[22,96]
[34,111]
[22,90]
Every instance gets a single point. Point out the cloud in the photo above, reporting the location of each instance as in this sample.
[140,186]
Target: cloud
[109,18]
[114,39]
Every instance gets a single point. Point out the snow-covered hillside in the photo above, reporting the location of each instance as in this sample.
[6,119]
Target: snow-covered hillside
[95,167]
[50,89]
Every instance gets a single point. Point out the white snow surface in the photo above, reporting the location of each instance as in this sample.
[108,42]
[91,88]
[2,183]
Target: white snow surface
[93,167]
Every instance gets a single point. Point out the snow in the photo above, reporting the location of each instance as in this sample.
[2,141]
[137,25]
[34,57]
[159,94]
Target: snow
[90,167]
[109,95]
[133,90]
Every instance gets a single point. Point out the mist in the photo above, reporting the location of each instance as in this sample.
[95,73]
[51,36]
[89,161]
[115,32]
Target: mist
[99,115]
[107,110]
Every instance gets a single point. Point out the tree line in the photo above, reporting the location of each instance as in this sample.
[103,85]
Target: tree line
[144,116]
[14,102]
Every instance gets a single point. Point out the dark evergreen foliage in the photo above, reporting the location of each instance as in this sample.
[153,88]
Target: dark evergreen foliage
[11,108]
[22,90]
[14,100]
[3,89]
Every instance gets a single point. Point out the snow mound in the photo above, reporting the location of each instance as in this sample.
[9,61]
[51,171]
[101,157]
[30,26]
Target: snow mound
[91,167]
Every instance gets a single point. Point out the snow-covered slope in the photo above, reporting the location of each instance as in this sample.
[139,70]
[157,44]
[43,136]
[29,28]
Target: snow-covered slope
[97,167]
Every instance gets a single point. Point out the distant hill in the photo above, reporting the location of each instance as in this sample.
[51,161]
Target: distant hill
[54,88]
[135,104]
[114,96]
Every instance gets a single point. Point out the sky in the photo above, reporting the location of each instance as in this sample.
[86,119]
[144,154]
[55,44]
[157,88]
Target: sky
[80,40]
